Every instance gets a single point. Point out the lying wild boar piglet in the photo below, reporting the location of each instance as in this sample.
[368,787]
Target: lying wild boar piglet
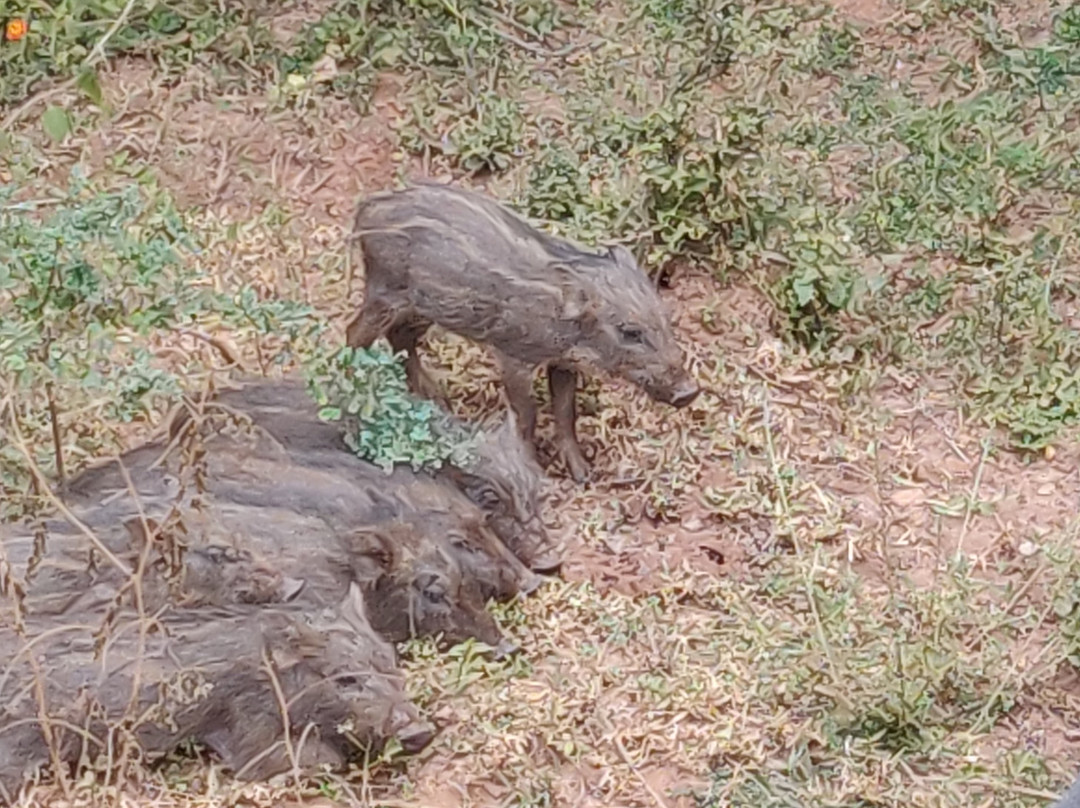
[437,254]
[1071,797]
[278,483]
[71,578]
[218,675]
[414,587]
[503,479]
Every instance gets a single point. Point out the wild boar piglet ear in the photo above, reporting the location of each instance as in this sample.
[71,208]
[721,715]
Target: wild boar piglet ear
[575,295]
[354,609]
[372,543]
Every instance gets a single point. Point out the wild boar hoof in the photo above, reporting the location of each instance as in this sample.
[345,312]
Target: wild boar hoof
[578,467]
[416,737]
[530,584]
[547,563]
[505,649]
[685,396]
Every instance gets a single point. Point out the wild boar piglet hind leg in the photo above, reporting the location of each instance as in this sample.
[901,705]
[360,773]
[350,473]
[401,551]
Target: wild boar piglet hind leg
[562,381]
[517,383]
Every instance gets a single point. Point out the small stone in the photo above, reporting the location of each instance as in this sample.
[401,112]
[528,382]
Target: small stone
[1028,548]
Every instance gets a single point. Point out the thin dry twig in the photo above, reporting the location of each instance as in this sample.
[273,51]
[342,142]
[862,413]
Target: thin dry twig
[652,792]
[972,498]
[47,491]
[46,723]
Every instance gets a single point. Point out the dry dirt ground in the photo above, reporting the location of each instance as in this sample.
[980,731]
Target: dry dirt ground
[874,472]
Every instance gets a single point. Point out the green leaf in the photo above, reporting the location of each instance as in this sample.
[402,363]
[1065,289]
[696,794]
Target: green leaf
[838,294]
[15,363]
[388,56]
[56,123]
[804,289]
[87,81]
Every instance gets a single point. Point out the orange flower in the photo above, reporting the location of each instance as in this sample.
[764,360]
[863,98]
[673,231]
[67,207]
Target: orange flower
[15,30]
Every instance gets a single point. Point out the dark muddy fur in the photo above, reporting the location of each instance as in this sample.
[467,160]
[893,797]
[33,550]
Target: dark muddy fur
[333,670]
[503,479]
[435,254]
[429,595]
[72,577]
[263,492]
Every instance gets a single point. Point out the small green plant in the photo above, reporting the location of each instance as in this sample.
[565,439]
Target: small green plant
[652,177]
[539,17]
[481,134]
[821,281]
[372,34]
[1067,24]
[366,389]
[69,37]
[1067,609]
[838,48]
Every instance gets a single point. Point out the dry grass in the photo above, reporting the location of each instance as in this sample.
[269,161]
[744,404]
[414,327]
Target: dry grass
[826,584]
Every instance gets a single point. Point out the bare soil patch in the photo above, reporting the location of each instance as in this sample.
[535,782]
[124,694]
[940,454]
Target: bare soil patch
[240,154]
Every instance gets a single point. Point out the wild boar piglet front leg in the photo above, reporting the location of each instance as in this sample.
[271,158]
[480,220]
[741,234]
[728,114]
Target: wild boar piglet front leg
[406,336]
[562,381]
[370,322]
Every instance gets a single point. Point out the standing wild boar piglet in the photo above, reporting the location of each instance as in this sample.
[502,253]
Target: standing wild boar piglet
[437,254]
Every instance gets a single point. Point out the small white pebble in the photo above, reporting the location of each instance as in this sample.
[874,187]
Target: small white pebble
[1028,548]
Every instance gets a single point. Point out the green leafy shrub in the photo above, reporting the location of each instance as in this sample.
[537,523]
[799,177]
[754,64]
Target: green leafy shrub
[89,279]
[1067,610]
[651,177]
[820,283]
[838,48]
[390,33]
[93,268]
[385,424]
[1023,356]
[482,133]
[1067,24]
